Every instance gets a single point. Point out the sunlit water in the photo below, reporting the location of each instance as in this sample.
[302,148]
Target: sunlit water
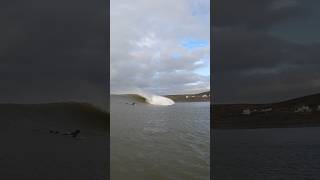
[159,142]
[267,154]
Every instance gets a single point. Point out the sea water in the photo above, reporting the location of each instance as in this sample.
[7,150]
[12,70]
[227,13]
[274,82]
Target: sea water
[267,154]
[159,142]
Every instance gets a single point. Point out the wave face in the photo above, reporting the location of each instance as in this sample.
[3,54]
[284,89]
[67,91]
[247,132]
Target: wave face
[144,98]
[158,100]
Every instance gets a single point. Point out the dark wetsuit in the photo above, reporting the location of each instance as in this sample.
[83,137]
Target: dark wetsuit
[75,134]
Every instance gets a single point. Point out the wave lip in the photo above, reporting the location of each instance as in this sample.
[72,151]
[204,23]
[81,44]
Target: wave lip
[158,100]
[143,97]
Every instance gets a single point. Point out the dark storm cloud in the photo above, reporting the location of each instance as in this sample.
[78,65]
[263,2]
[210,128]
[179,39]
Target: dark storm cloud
[53,51]
[250,64]
[255,14]
[248,50]
[260,68]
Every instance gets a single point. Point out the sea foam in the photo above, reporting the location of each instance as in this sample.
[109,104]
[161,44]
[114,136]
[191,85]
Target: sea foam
[150,98]
[158,100]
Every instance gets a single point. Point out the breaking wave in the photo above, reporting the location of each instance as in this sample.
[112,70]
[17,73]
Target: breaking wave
[148,98]
[157,100]
[140,96]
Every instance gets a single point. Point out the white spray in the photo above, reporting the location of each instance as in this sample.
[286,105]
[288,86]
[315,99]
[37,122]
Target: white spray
[149,97]
[157,100]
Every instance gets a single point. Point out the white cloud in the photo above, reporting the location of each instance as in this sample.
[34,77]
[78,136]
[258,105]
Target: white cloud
[144,37]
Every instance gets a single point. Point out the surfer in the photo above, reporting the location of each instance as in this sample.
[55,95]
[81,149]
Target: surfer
[132,104]
[54,132]
[73,134]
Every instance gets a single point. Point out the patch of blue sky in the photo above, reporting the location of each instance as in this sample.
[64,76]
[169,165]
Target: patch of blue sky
[203,71]
[191,43]
[204,68]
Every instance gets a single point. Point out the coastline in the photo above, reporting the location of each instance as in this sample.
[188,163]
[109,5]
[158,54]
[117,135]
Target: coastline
[298,112]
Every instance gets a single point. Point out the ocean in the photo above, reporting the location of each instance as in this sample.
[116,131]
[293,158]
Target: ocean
[267,154]
[159,142]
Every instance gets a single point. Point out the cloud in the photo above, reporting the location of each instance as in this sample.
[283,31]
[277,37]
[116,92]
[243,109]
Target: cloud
[254,14]
[53,51]
[252,65]
[147,49]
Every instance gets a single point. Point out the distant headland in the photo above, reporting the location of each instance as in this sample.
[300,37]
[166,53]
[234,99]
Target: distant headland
[298,112]
[200,97]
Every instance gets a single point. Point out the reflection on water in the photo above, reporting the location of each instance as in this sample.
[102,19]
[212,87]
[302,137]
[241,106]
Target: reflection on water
[159,142]
[270,154]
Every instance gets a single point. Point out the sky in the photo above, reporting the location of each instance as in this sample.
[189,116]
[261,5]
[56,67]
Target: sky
[53,51]
[265,51]
[159,46]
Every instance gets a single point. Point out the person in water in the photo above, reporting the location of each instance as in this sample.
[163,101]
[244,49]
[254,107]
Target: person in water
[133,104]
[54,132]
[73,134]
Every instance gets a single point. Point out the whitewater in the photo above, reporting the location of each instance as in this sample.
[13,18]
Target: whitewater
[157,100]
[146,97]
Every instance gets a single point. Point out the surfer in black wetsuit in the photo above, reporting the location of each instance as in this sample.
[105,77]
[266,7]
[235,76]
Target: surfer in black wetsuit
[53,132]
[133,104]
[73,134]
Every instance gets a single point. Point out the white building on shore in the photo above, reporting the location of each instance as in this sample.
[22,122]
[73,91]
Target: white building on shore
[266,110]
[303,109]
[246,112]
[204,96]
